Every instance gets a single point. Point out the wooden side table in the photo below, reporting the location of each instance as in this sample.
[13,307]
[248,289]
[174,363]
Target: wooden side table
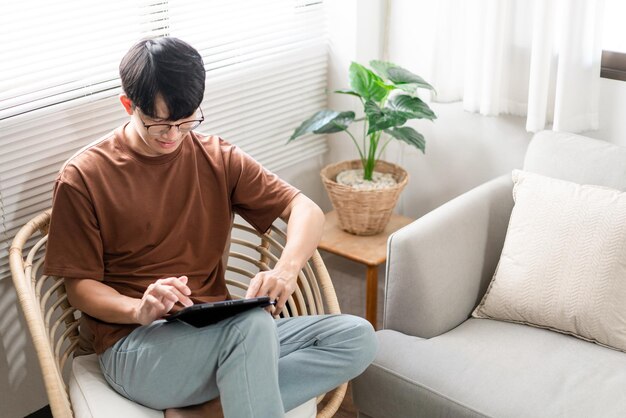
[368,250]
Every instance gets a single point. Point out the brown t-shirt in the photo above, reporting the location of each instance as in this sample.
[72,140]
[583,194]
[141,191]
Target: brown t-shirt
[127,219]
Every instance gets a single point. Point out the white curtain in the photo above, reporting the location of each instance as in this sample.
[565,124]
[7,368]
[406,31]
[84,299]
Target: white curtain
[538,58]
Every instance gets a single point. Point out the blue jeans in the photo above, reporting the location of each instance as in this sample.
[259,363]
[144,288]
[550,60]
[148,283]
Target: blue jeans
[258,366]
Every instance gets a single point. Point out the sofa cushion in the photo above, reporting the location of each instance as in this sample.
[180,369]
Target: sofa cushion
[92,397]
[563,265]
[495,369]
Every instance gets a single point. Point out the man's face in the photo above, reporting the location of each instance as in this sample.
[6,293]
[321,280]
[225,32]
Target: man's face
[158,140]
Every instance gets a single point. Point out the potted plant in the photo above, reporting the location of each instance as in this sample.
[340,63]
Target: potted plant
[388,95]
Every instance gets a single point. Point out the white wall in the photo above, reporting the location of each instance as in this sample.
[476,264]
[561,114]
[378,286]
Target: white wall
[21,385]
[306,177]
[463,150]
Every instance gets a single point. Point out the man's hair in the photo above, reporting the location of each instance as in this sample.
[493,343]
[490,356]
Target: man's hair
[168,67]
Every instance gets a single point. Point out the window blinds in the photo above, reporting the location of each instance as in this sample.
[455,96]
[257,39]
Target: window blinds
[266,71]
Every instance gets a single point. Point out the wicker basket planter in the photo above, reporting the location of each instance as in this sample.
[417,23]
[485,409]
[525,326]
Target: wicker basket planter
[363,212]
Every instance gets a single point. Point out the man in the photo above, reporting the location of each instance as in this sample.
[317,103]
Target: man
[139,223]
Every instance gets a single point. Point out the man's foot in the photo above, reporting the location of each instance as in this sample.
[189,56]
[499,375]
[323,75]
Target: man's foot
[210,409]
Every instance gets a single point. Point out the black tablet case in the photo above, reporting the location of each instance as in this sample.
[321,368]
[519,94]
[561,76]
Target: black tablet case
[204,314]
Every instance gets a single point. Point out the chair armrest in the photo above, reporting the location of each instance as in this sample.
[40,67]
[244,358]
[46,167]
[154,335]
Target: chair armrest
[440,265]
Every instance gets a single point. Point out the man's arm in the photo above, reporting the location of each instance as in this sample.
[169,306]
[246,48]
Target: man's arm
[305,221]
[105,303]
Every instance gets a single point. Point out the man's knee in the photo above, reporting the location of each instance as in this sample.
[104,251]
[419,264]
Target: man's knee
[359,337]
[256,323]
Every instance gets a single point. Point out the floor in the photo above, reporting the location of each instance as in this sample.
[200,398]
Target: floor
[349,281]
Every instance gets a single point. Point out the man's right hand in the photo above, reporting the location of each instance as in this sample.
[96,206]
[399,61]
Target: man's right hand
[160,297]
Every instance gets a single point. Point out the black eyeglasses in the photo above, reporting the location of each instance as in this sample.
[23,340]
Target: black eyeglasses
[158,129]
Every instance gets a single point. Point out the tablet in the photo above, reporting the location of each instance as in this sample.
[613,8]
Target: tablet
[204,314]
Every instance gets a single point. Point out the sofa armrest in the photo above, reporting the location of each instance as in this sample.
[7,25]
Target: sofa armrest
[440,265]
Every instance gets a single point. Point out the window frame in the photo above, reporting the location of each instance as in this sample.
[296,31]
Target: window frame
[613,65]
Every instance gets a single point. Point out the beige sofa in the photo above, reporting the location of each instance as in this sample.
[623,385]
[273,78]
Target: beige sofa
[437,361]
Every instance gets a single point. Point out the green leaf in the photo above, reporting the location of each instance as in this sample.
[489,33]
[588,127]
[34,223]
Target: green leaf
[350,92]
[324,122]
[381,119]
[411,107]
[338,123]
[367,84]
[380,84]
[372,109]
[401,77]
[410,136]
[409,88]
[382,67]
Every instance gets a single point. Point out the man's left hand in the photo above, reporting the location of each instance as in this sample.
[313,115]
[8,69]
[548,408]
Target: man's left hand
[278,284]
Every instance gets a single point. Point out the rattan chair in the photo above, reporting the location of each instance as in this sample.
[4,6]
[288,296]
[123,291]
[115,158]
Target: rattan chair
[54,324]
